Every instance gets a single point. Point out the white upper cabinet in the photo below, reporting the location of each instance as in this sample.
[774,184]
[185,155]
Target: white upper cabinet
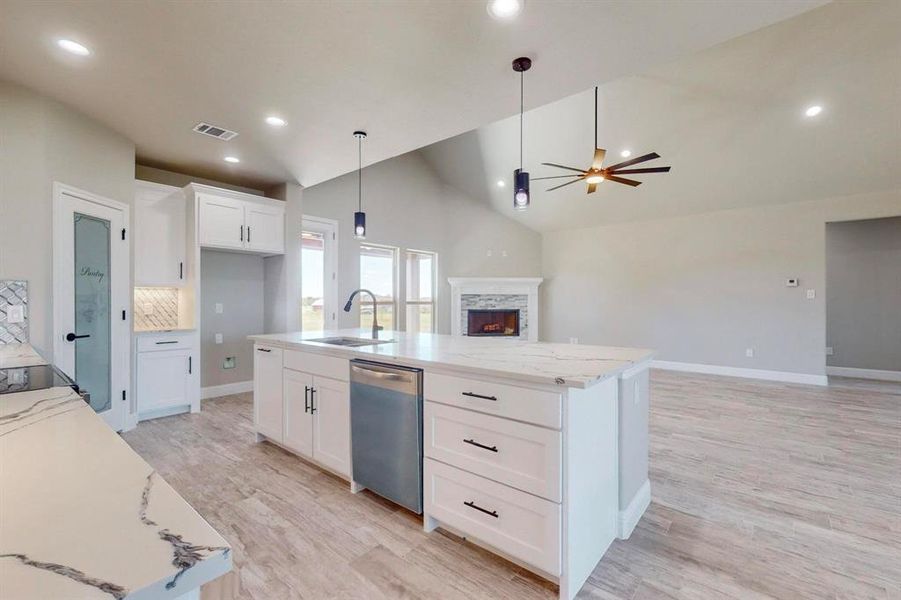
[160,213]
[232,223]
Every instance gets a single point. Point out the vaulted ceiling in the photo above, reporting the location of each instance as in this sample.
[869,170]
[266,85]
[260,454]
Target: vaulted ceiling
[730,120]
[411,73]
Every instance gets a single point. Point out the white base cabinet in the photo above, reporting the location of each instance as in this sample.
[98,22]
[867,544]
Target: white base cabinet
[166,375]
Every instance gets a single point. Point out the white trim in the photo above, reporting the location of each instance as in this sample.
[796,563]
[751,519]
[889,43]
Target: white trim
[226,389]
[629,517]
[785,376]
[332,301]
[864,373]
[495,285]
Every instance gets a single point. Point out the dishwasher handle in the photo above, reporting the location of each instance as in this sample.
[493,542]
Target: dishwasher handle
[385,376]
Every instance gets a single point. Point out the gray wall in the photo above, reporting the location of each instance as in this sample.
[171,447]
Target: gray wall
[236,281]
[408,206]
[282,273]
[703,288]
[42,141]
[863,299]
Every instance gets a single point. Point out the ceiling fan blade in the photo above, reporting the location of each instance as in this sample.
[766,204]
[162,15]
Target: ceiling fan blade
[554,177]
[634,161]
[564,167]
[564,184]
[631,182]
[592,187]
[599,154]
[648,170]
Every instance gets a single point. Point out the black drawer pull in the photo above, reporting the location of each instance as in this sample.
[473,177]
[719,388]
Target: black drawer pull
[482,446]
[263,350]
[473,395]
[493,513]
[169,342]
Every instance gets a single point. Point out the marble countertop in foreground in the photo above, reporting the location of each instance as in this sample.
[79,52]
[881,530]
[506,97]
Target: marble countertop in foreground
[570,365]
[15,356]
[83,516]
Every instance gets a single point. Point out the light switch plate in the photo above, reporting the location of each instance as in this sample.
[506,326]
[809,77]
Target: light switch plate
[749,352]
[218,308]
[811,294]
[218,338]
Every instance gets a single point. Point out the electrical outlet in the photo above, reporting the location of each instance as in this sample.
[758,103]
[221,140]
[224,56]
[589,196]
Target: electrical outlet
[573,340]
[147,308]
[488,253]
[229,362]
[15,313]
[218,308]
[504,253]
[811,294]
[218,337]
[829,351]
[749,352]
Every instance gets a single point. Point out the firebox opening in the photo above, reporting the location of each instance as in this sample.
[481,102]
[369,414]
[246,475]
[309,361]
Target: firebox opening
[493,322]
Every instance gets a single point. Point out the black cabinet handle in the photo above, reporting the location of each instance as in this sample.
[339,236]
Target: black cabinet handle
[263,350]
[71,337]
[472,395]
[306,398]
[312,400]
[493,513]
[242,233]
[248,234]
[190,365]
[167,342]
[482,446]
[181,270]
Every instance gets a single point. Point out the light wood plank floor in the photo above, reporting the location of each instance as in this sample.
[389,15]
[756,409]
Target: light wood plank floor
[760,490]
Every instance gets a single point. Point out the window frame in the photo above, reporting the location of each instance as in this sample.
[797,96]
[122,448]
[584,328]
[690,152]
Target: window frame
[434,287]
[395,275]
[331,251]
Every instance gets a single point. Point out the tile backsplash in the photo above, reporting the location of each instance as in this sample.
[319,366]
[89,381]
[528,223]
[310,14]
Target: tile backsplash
[155,308]
[13,293]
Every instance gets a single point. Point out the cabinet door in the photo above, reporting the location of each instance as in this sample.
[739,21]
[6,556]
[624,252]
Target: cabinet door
[221,222]
[268,403]
[265,228]
[162,380]
[298,418]
[160,216]
[331,424]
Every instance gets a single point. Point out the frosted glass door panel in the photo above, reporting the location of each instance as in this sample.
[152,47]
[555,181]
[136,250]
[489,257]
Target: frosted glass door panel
[92,309]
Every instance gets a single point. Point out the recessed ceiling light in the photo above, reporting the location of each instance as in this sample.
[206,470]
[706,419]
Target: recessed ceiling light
[626,153]
[501,183]
[73,47]
[232,159]
[276,121]
[814,110]
[504,9]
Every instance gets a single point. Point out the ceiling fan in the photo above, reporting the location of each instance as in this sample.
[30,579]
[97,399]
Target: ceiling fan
[597,173]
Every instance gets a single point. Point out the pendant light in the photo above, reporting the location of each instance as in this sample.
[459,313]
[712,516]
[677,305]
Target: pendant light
[360,216]
[521,178]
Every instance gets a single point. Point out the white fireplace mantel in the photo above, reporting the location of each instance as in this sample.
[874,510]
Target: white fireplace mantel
[495,285]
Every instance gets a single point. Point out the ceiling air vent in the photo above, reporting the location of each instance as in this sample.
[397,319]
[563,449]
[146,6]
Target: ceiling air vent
[216,132]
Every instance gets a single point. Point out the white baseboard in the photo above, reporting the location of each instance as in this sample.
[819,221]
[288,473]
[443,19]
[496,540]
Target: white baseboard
[864,373]
[629,517]
[785,376]
[214,391]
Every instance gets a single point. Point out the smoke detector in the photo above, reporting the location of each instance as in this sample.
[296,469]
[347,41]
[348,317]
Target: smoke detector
[220,133]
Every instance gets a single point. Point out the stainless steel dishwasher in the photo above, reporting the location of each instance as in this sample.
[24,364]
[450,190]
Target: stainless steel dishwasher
[386,431]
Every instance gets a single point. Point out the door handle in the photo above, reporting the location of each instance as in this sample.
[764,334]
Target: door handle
[306,398]
[482,446]
[71,337]
[492,513]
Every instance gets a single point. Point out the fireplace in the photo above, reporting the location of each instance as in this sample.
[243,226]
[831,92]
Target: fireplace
[492,322]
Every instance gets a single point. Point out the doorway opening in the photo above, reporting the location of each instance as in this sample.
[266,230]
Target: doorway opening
[319,274]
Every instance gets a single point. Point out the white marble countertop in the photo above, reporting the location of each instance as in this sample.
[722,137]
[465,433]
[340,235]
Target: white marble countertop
[83,516]
[15,356]
[570,365]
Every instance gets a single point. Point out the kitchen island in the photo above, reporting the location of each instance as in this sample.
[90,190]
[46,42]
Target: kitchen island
[536,451]
[83,516]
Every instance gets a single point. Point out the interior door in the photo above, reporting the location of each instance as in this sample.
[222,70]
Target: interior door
[265,228]
[221,222]
[319,274]
[331,424]
[92,337]
[298,418]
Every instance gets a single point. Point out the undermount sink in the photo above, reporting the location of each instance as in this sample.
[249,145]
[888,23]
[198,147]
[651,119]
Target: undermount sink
[351,341]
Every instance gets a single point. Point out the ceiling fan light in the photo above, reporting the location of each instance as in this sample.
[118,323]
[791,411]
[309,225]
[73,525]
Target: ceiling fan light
[598,178]
[521,197]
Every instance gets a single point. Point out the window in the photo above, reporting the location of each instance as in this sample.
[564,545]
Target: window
[378,273]
[420,291]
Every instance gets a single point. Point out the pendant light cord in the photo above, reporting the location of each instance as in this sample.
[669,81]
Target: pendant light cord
[360,173]
[522,77]
[595,116]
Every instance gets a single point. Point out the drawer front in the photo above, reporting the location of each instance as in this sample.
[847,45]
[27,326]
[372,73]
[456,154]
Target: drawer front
[520,455]
[516,523]
[524,404]
[164,341]
[318,364]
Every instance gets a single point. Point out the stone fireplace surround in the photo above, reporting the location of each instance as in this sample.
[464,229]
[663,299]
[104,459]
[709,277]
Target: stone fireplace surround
[485,293]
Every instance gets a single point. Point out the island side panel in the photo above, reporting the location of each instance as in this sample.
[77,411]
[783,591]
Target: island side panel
[591,487]
[634,485]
